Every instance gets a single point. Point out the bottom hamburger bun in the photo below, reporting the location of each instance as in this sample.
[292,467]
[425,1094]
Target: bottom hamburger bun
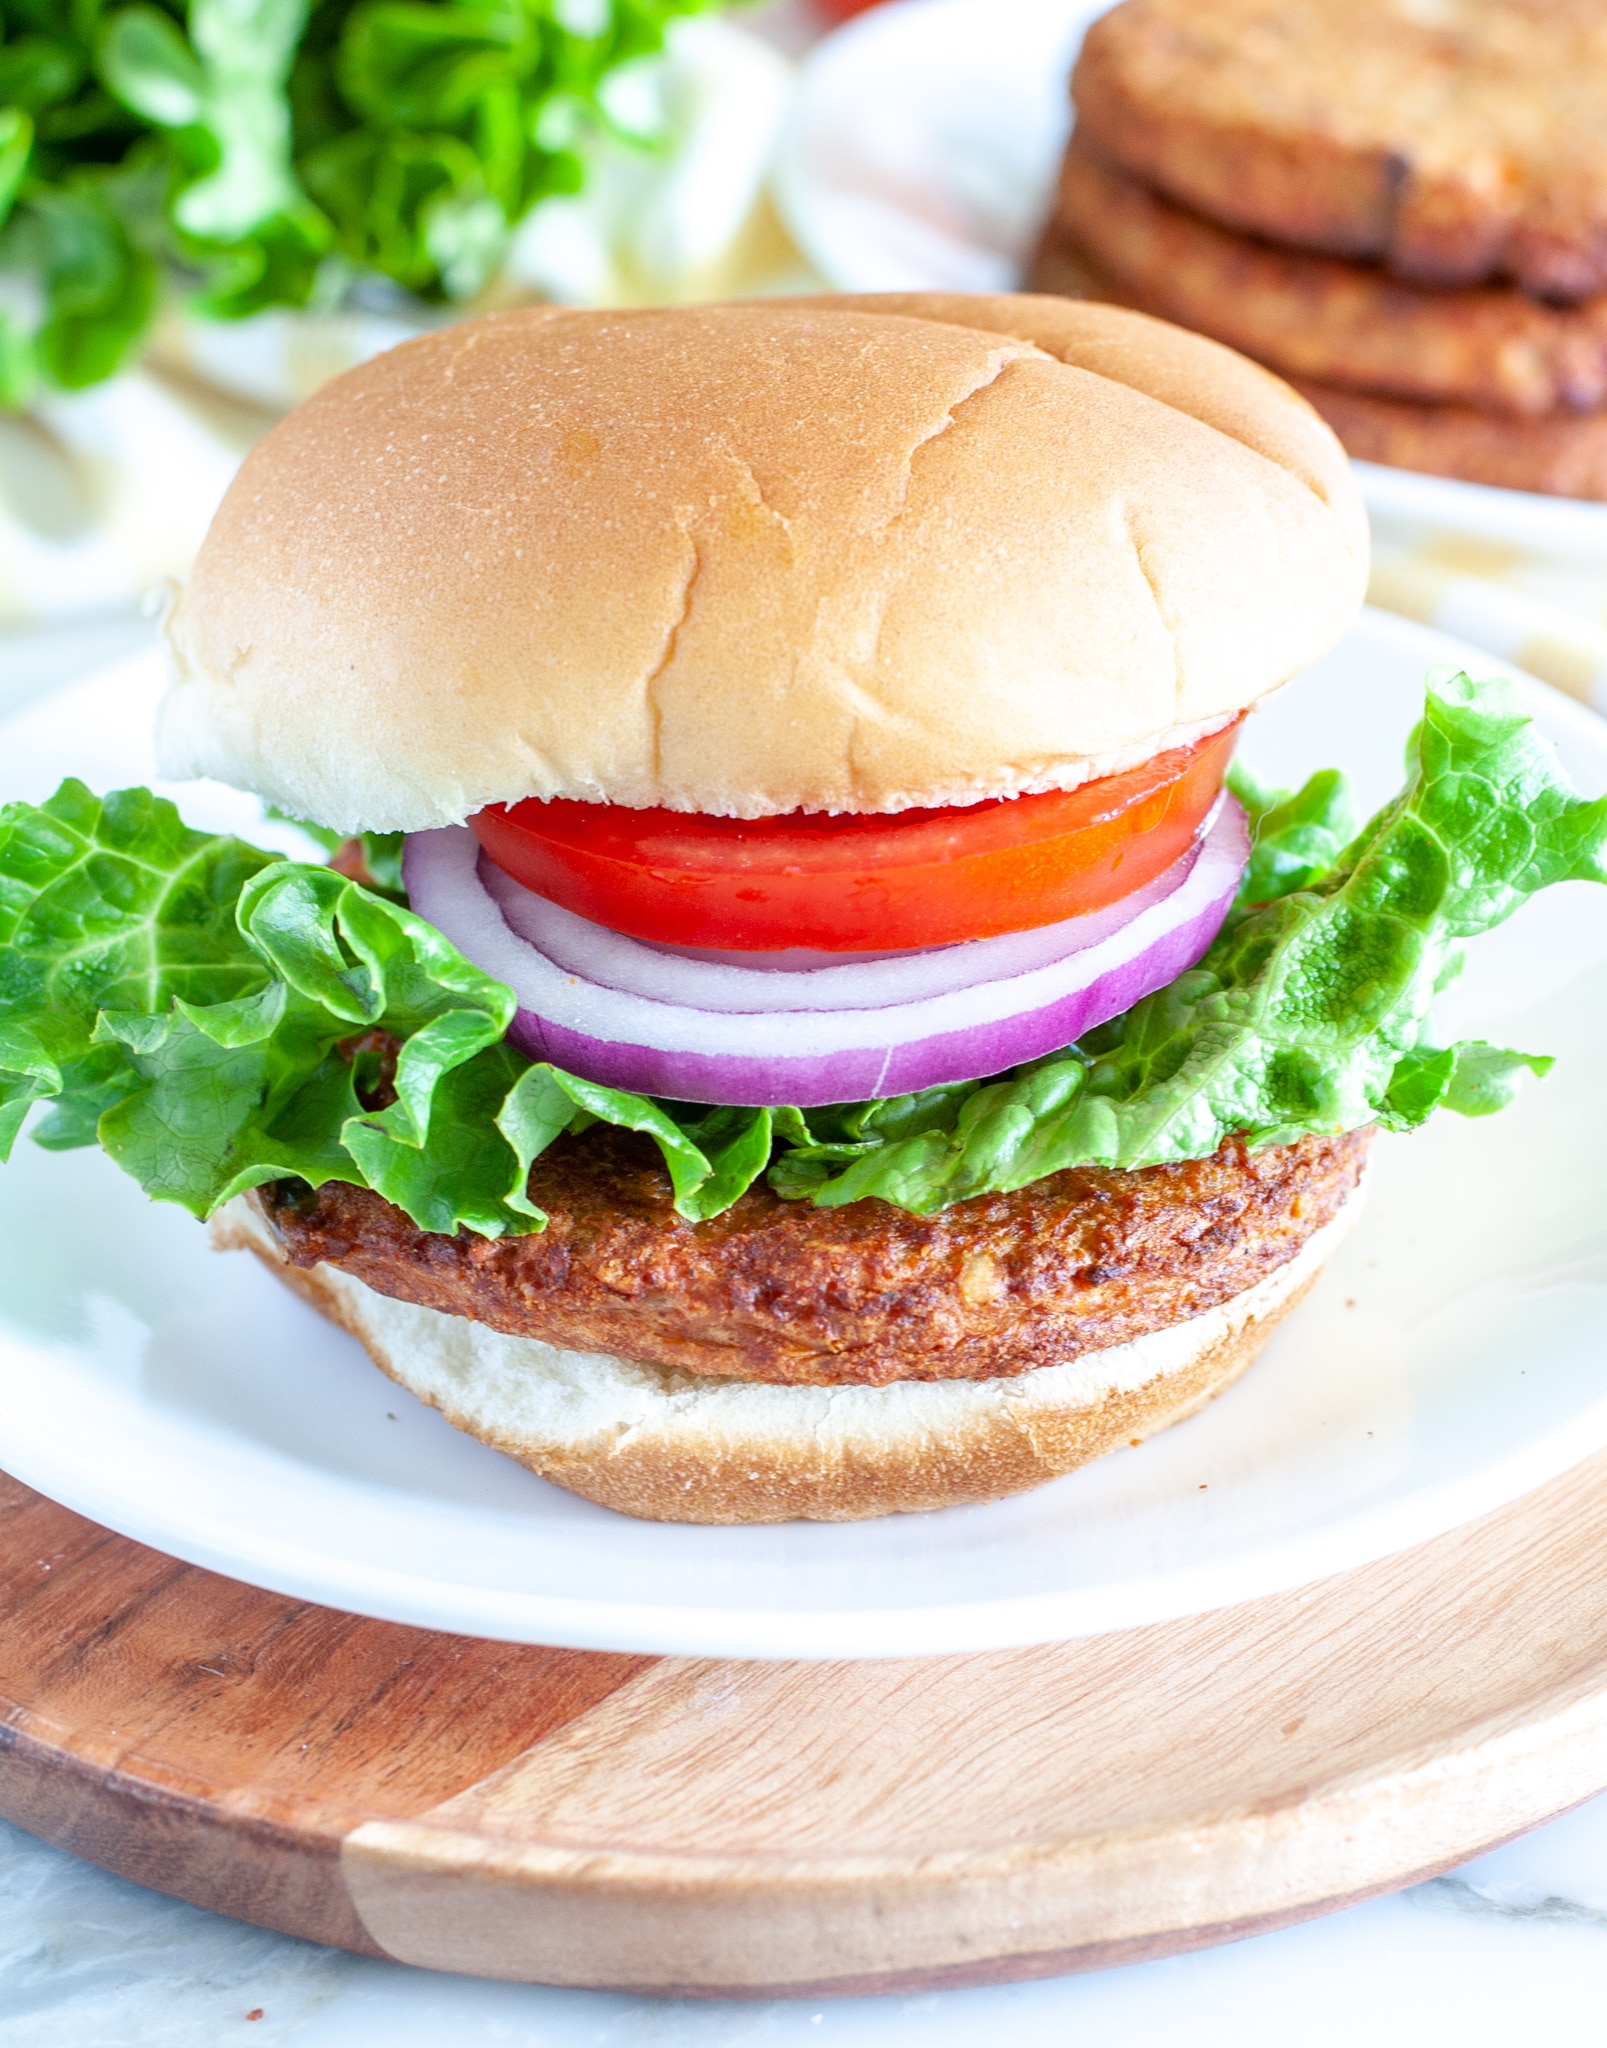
[672,1446]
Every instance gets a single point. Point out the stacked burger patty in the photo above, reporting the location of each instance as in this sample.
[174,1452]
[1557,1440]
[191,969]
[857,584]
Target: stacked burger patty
[1401,207]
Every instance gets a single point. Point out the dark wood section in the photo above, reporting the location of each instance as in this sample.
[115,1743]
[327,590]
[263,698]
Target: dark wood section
[218,1742]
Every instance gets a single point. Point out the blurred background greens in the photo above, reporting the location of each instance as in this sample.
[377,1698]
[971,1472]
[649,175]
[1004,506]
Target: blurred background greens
[209,207]
[247,154]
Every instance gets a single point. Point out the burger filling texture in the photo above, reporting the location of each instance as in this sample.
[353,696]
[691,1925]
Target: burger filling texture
[787,1294]
[220,1019]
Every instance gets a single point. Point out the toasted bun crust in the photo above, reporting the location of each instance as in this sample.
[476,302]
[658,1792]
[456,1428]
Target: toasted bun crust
[671,1446]
[749,559]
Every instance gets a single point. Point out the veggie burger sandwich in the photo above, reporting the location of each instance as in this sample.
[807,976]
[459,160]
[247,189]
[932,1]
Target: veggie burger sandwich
[799,1019]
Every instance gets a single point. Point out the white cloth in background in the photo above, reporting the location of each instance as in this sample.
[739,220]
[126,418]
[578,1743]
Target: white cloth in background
[687,224]
[105,492]
[1522,575]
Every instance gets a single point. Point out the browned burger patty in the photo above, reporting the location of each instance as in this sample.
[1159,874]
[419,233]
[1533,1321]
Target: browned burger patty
[1060,266]
[1457,141]
[1348,324]
[1563,453]
[789,1293]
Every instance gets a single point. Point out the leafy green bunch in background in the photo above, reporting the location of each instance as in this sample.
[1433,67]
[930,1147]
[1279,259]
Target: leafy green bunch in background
[260,151]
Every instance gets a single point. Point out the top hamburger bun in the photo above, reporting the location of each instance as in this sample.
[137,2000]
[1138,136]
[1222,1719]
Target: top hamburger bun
[841,555]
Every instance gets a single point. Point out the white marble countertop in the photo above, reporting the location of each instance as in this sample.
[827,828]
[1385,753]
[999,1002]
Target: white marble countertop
[1510,1949]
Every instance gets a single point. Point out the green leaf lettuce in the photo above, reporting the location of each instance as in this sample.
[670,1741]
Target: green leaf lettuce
[258,152]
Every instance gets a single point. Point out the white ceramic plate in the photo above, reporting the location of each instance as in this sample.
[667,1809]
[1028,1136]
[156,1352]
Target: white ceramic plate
[1454,1356]
[921,154]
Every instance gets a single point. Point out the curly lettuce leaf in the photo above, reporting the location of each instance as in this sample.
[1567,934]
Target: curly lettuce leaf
[106,904]
[217,1018]
[138,141]
[196,1006]
[93,282]
[1309,1013]
[426,132]
[712,1155]
[214,1018]
[372,858]
[1297,836]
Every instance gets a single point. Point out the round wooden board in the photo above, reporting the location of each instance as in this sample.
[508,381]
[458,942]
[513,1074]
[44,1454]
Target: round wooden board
[697,1826]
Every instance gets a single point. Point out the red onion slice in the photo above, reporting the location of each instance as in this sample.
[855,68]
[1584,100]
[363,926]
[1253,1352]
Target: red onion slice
[710,1051]
[831,982]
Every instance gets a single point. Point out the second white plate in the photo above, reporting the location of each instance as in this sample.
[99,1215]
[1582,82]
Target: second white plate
[921,154]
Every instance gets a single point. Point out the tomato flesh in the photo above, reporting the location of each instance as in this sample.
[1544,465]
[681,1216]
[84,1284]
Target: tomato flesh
[865,883]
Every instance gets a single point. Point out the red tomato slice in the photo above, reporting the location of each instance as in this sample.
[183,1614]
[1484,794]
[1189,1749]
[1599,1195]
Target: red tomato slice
[869,883]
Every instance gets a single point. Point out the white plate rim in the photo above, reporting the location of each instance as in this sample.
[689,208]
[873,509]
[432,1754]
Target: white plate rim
[288,1568]
[799,1634]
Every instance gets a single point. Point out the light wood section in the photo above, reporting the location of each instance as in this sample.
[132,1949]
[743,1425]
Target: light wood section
[747,1827]
[704,1826]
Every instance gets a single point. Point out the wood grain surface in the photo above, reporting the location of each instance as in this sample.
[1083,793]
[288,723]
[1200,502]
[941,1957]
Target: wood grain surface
[715,1827]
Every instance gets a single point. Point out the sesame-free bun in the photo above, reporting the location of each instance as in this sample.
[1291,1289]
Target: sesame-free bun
[837,555]
[672,1446]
